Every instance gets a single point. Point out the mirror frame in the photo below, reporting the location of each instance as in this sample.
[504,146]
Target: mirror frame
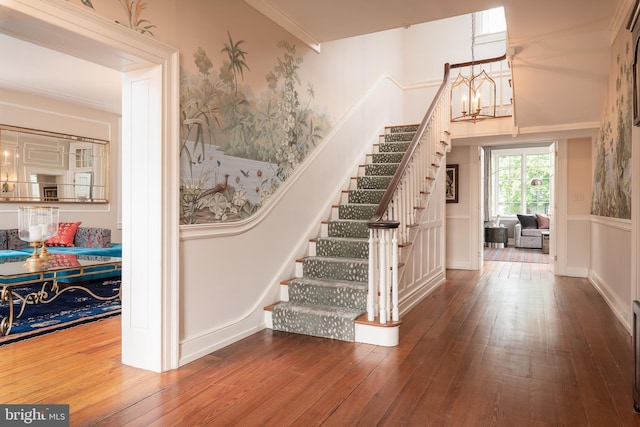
[50,194]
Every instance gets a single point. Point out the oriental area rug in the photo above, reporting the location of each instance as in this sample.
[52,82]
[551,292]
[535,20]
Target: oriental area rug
[512,254]
[71,308]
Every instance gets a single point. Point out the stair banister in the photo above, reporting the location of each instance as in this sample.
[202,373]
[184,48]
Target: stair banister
[389,225]
[479,62]
[395,181]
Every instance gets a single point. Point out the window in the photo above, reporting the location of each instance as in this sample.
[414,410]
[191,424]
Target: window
[84,158]
[491,26]
[513,187]
[491,21]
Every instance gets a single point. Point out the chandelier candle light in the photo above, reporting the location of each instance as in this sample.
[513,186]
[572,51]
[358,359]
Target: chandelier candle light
[470,87]
[37,224]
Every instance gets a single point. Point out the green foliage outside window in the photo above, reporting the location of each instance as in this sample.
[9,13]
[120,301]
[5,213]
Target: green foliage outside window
[513,192]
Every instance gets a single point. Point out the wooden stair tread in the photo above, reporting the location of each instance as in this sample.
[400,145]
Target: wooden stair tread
[362,320]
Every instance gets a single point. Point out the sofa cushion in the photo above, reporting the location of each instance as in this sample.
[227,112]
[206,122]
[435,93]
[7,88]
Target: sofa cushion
[528,221]
[66,234]
[93,237]
[13,241]
[9,255]
[3,239]
[114,250]
[543,221]
[534,232]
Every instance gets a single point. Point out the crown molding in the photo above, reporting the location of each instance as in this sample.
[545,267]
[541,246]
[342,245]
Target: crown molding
[276,15]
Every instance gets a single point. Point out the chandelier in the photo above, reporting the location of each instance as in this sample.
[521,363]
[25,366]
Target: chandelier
[473,96]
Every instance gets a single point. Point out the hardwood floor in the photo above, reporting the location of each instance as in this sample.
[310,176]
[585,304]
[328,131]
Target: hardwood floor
[509,346]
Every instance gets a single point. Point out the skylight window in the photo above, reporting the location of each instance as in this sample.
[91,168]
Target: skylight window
[491,21]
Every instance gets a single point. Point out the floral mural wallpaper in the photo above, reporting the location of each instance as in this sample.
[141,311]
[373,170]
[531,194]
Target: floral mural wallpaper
[238,147]
[239,142]
[612,147]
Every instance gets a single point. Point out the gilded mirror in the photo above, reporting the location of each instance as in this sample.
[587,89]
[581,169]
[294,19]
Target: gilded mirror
[40,166]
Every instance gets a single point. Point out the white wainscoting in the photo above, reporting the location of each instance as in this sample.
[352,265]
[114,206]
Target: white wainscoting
[424,268]
[610,270]
[577,256]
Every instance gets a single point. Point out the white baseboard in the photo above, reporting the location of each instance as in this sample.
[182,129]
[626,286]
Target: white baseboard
[621,311]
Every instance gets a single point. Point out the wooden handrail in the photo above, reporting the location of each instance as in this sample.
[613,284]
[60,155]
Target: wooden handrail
[479,62]
[376,221]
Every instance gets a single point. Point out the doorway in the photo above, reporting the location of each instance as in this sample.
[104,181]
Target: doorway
[518,207]
[150,125]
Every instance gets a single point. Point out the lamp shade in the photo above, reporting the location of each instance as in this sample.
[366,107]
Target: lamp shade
[536,181]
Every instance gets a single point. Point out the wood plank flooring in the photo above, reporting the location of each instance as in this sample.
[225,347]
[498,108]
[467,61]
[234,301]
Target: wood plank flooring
[509,346]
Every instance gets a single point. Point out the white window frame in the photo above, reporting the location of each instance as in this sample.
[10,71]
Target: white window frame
[486,24]
[522,151]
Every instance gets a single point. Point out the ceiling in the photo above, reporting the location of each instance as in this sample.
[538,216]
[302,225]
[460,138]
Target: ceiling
[64,77]
[562,48]
[560,67]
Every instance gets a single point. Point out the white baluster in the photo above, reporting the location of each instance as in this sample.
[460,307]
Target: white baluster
[372,291]
[382,276]
[394,277]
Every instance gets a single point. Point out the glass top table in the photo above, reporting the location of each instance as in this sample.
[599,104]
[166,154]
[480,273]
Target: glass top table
[72,271]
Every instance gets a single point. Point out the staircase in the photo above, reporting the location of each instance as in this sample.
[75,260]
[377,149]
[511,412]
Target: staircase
[330,289]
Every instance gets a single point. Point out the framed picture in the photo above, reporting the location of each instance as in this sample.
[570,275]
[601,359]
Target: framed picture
[451,190]
[50,194]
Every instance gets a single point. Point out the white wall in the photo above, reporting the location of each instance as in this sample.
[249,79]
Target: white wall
[31,111]
[574,168]
[463,218]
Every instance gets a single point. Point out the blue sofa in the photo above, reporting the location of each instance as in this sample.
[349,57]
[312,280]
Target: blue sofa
[87,241]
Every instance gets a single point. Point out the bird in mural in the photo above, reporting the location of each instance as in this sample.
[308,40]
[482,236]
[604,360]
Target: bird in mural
[219,188]
[246,174]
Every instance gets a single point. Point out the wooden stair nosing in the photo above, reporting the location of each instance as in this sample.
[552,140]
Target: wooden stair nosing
[362,320]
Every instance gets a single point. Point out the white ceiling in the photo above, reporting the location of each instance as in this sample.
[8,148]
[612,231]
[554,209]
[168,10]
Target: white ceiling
[562,47]
[560,67]
[35,69]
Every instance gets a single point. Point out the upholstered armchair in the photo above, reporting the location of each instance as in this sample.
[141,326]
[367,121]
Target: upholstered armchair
[528,231]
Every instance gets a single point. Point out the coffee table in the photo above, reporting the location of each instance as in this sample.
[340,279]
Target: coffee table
[67,268]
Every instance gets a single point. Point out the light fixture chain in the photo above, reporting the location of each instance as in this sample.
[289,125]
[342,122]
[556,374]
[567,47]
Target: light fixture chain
[473,42]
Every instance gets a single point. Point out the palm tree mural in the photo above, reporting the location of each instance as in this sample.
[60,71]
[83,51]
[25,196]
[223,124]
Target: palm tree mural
[198,112]
[237,57]
[238,147]
[134,9]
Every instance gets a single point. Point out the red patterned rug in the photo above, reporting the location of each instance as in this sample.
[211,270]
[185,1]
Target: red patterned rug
[511,254]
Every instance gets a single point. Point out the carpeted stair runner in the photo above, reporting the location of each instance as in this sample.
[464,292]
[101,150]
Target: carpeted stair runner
[332,290]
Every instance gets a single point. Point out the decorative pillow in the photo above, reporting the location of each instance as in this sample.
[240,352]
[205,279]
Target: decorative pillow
[93,237]
[64,260]
[3,240]
[543,221]
[66,234]
[14,242]
[528,221]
